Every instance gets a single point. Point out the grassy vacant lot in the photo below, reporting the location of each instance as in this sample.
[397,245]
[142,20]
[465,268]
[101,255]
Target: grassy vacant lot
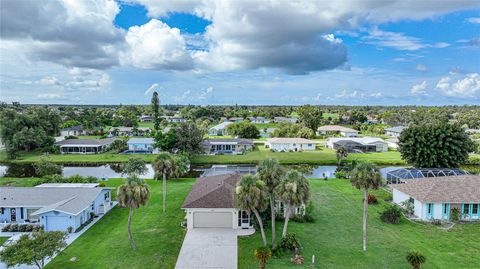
[157,234]
[336,237]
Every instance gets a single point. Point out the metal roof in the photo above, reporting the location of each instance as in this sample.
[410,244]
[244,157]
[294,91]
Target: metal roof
[401,174]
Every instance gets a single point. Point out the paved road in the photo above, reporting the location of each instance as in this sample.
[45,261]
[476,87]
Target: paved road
[208,248]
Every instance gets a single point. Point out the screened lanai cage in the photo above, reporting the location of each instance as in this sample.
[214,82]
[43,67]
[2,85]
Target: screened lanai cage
[400,175]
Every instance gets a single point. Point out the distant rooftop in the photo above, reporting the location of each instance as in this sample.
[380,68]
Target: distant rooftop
[85,142]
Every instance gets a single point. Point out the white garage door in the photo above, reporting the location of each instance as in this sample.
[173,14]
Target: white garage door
[57,223]
[212,220]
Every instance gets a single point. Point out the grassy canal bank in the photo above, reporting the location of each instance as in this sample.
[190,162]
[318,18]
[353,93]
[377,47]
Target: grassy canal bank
[321,157]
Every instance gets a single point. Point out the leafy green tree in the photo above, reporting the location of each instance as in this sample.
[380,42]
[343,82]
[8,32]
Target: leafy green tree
[135,166]
[306,132]
[271,172]
[310,116]
[244,130]
[156,110]
[365,176]
[126,116]
[287,129]
[293,191]
[33,249]
[188,138]
[45,167]
[251,196]
[435,145]
[28,129]
[262,254]
[182,165]
[415,259]
[166,141]
[118,145]
[70,123]
[470,119]
[164,167]
[133,194]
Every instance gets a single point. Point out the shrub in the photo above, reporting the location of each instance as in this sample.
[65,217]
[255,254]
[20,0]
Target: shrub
[298,218]
[20,228]
[372,199]
[102,184]
[455,216]
[415,259]
[408,207]
[308,218]
[391,214]
[70,229]
[45,167]
[262,254]
[118,145]
[290,243]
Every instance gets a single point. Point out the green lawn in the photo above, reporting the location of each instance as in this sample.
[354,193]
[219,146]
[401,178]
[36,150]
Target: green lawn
[146,124]
[336,237]
[158,235]
[17,182]
[3,239]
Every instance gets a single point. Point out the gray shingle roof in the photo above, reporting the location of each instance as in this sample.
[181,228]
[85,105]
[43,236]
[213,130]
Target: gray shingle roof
[74,128]
[68,200]
[454,189]
[213,192]
[237,141]
[86,142]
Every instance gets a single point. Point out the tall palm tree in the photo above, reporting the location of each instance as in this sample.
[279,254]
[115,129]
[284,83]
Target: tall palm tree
[164,166]
[342,153]
[365,176]
[293,191]
[133,193]
[270,172]
[251,196]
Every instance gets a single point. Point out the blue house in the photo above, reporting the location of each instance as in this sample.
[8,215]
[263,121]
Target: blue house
[56,208]
[141,145]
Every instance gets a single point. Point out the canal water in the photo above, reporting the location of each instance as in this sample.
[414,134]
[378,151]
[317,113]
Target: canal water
[114,170]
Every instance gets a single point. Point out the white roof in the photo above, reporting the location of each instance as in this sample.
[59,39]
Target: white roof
[221,126]
[289,140]
[367,140]
[139,140]
[67,185]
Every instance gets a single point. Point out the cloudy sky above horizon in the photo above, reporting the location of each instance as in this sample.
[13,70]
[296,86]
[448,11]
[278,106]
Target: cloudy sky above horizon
[391,52]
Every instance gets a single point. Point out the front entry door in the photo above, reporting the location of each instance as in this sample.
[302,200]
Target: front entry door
[13,214]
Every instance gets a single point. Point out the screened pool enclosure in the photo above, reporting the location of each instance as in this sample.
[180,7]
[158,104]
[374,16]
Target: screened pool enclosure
[400,175]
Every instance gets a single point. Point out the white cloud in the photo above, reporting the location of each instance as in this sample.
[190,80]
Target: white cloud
[49,81]
[475,20]
[421,68]
[205,93]
[152,88]
[70,33]
[419,89]
[347,94]
[155,45]
[398,41]
[462,87]
[48,96]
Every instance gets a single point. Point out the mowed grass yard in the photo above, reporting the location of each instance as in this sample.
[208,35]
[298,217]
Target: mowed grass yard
[158,235]
[336,237]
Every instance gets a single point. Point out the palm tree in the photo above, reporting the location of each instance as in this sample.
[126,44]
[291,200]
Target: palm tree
[293,191]
[415,259]
[365,176]
[164,166]
[342,153]
[270,172]
[133,194]
[262,255]
[251,196]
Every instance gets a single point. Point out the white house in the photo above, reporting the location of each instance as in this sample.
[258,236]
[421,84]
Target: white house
[73,131]
[84,146]
[285,119]
[436,198]
[144,145]
[129,131]
[337,129]
[54,207]
[211,204]
[394,131]
[358,144]
[146,118]
[258,120]
[290,144]
[233,146]
[174,119]
[220,129]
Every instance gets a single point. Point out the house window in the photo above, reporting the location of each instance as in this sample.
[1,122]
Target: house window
[445,209]
[474,209]
[309,145]
[429,208]
[466,208]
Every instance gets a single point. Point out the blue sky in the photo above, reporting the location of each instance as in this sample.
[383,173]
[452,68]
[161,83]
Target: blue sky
[245,52]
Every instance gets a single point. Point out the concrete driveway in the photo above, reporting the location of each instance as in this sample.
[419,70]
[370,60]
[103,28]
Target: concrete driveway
[208,248]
